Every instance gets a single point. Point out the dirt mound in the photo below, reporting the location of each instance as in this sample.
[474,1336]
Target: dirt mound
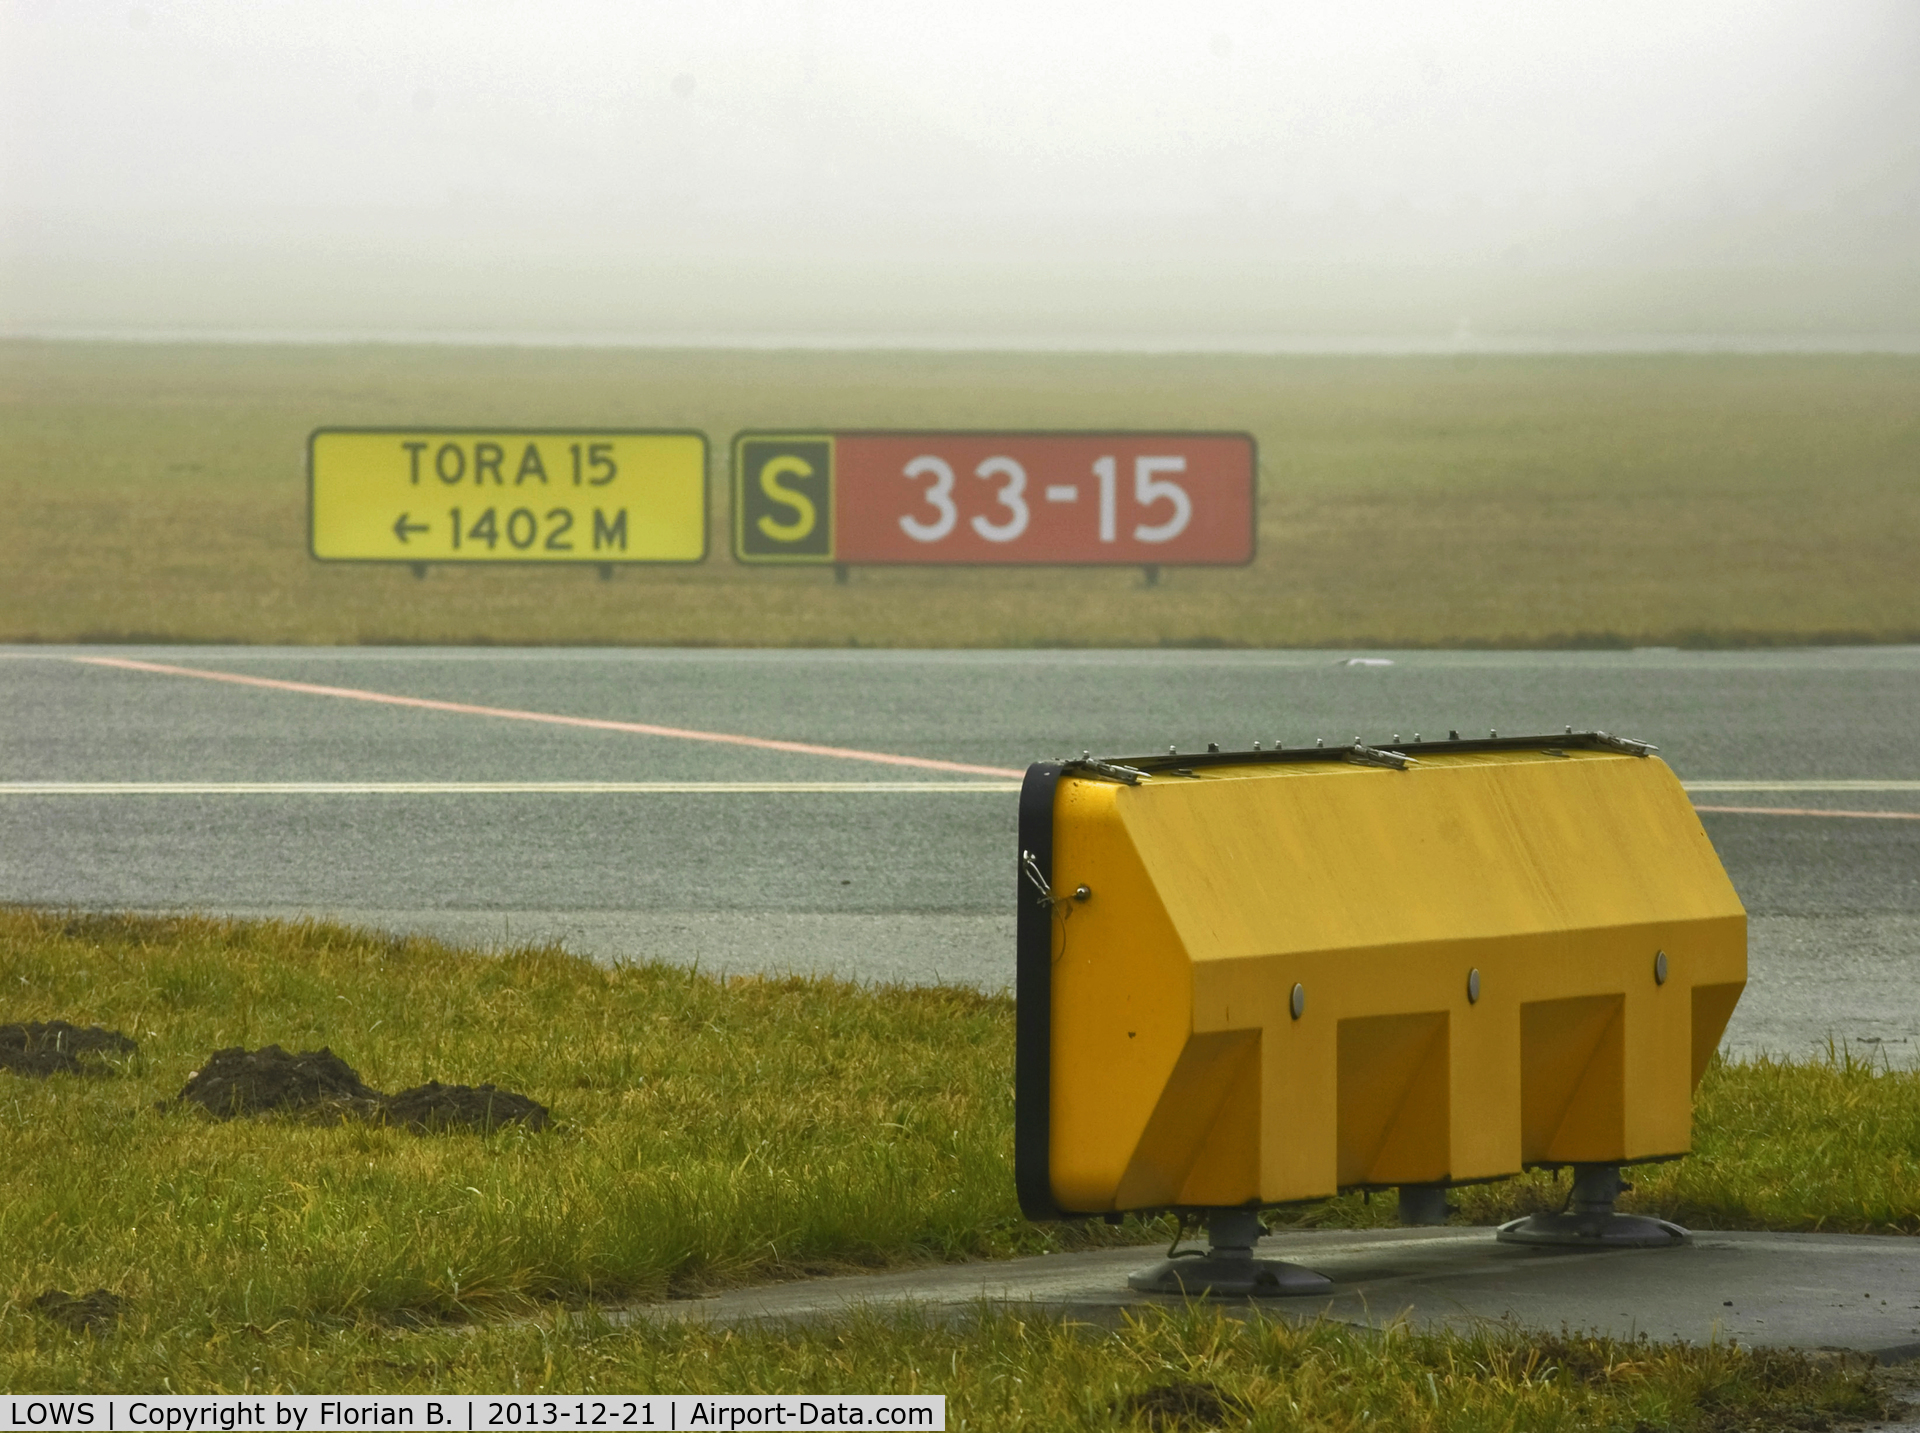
[320,1084]
[434,1106]
[1181,1405]
[237,1081]
[96,1310]
[57,1048]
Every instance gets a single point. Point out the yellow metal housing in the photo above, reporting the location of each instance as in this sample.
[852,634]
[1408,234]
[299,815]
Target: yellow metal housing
[1293,974]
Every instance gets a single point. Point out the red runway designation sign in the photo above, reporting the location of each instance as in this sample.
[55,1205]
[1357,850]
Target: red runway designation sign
[1139,499]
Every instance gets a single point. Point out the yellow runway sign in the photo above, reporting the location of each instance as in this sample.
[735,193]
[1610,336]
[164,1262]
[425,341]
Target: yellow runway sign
[506,495]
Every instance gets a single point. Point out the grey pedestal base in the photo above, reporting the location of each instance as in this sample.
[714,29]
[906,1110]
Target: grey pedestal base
[1592,1231]
[1588,1221]
[1227,1270]
[1227,1278]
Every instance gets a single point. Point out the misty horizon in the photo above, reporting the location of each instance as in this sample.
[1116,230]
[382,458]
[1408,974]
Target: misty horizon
[1241,178]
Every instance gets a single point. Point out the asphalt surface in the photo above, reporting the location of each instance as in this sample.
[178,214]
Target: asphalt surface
[1860,1293]
[876,884]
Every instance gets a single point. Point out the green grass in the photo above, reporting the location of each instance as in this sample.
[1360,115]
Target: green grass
[156,492]
[708,1133]
[1002,1371]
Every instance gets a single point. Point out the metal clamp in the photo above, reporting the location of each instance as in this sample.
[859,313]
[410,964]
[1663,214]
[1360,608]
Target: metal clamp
[1030,868]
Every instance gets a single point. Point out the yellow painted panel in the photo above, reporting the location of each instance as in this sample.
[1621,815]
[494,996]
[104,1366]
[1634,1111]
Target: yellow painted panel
[1122,1010]
[1558,1039]
[507,495]
[1200,1142]
[1571,1079]
[1459,844]
[1393,1101]
[1226,1171]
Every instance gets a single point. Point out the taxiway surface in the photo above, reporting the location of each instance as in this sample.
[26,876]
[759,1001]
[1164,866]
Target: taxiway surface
[127,787]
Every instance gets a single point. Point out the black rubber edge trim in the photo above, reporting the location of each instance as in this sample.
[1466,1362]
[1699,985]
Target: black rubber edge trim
[1033,1000]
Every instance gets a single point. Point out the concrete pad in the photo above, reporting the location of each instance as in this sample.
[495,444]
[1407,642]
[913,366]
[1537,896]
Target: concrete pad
[1814,1291]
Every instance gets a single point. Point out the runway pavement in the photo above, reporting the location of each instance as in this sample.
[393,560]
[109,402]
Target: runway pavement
[739,808]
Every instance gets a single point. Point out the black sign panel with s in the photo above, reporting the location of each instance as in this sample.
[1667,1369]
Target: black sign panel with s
[783,498]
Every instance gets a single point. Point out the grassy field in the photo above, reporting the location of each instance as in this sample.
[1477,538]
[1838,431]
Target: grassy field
[156,493]
[1004,1372]
[706,1133]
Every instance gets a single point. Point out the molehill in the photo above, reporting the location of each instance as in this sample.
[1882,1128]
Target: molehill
[38,1049]
[318,1084]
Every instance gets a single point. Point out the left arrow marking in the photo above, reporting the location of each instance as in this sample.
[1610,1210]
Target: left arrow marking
[402,527]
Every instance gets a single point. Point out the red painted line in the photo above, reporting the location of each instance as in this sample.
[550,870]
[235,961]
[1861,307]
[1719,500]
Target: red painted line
[799,748]
[1813,811]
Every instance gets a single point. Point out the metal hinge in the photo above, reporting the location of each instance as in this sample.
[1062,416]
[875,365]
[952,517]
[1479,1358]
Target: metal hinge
[1103,770]
[1375,756]
[1625,744]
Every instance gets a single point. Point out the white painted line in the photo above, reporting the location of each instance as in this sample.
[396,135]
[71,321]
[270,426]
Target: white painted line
[1801,785]
[643,788]
[488,788]
[1813,811]
[359,694]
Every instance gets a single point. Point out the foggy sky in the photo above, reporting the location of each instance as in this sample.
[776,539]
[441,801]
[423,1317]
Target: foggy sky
[1725,171]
